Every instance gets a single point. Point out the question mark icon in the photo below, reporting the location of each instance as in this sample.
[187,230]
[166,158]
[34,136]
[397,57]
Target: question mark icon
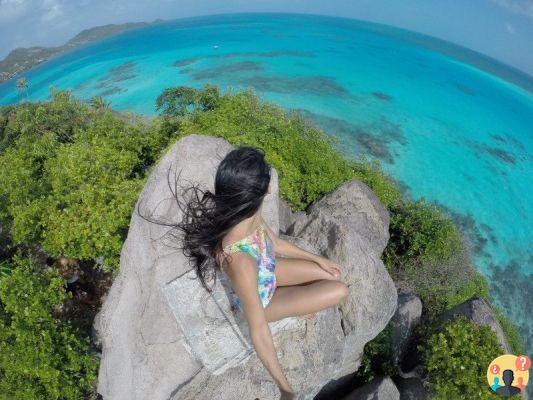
[523,363]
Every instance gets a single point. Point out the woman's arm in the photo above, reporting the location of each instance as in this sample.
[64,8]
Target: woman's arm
[287,249]
[242,272]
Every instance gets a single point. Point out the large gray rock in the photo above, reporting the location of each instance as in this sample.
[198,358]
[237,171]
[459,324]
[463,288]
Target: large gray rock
[357,206]
[381,388]
[405,318]
[371,288]
[164,337]
[412,389]
[478,310]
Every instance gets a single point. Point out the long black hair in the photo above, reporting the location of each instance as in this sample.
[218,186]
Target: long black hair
[241,183]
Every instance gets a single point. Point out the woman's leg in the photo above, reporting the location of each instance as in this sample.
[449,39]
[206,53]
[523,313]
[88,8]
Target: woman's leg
[295,271]
[291,301]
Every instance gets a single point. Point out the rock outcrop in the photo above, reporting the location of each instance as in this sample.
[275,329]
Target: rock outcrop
[405,318]
[164,337]
[479,311]
[352,204]
[412,389]
[381,388]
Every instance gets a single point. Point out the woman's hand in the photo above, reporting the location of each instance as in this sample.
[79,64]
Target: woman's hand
[287,395]
[329,266]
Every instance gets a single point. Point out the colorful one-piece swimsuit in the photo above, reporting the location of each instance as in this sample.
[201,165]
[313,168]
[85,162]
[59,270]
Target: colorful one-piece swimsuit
[261,247]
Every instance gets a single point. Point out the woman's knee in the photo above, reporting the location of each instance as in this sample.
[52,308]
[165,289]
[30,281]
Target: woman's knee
[338,291]
[342,291]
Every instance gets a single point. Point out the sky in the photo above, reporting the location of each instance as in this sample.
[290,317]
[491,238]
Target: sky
[502,29]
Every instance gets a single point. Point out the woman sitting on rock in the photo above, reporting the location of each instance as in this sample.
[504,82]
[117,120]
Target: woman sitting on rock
[271,278]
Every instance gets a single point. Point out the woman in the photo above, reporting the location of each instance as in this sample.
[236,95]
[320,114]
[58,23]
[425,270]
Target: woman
[271,278]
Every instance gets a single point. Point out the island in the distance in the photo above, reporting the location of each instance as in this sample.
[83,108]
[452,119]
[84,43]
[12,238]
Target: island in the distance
[22,59]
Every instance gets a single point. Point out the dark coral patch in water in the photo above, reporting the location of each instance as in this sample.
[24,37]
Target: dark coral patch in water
[120,73]
[376,140]
[470,232]
[382,96]
[81,85]
[112,90]
[508,139]
[127,66]
[186,61]
[465,89]
[268,54]
[494,152]
[513,290]
[316,85]
[221,70]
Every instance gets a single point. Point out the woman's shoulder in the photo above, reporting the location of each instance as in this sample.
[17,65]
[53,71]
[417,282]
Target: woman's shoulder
[239,265]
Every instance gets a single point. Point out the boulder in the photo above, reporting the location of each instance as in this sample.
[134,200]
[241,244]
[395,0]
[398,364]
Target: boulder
[411,389]
[285,216]
[356,205]
[405,318]
[478,310]
[371,288]
[164,337]
[381,388]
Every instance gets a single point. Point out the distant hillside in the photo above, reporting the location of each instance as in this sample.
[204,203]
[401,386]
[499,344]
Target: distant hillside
[21,59]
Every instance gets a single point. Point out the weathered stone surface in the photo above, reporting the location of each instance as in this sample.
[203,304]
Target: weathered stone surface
[402,323]
[164,337]
[411,389]
[381,388]
[356,204]
[285,216]
[479,311]
[371,287]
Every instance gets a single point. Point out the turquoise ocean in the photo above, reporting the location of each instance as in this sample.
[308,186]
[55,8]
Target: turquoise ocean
[449,124]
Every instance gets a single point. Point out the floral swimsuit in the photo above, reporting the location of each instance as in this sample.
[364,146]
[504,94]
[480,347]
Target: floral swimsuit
[260,246]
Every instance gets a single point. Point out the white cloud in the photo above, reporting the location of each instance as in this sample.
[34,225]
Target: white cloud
[13,10]
[509,28]
[524,7]
[52,10]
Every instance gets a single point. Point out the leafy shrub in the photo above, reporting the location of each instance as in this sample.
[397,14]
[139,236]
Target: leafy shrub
[41,356]
[447,284]
[377,358]
[425,252]
[420,234]
[181,100]
[72,176]
[456,359]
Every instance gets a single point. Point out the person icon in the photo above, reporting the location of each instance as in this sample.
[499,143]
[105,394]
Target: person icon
[496,383]
[520,383]
[508,389]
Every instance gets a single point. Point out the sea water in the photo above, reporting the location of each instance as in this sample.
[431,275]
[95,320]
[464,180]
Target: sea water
[450,125]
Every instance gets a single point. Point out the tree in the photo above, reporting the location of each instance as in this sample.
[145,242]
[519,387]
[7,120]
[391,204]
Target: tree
[99,103]
[22,86]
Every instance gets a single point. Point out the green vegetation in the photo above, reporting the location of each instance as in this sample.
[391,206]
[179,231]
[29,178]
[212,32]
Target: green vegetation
[426,252]
[420,234]
[456,360]
[81,171]
[41,355]
[377,358]
[71,174]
